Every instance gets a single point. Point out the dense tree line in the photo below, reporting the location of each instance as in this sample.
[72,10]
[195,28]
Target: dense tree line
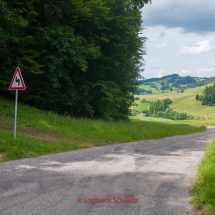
[143,91]
[160,108]
[208,97]
[165,87]
[78,57]
[153,85]
[184,81]
[173,76]
[159,105]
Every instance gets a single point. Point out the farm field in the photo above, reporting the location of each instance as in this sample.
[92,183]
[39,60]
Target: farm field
[147,87]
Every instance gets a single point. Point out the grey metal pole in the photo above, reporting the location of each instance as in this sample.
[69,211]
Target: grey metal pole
[15,117]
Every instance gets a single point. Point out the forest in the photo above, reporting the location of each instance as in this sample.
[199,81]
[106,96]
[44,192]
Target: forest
[80,58]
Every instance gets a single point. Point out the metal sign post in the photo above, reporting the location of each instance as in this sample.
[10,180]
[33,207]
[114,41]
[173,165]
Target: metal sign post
[17,83]
[15,114]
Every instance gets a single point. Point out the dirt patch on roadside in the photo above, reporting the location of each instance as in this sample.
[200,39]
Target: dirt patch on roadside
[38,134]
[1,157]
[196,212]
[7,124]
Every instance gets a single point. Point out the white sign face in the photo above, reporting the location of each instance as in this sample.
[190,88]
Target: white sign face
[17,82]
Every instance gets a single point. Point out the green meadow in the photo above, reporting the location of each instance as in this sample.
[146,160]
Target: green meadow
[147,87]
[182,102]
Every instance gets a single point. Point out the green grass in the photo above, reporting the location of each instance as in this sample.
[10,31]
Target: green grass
[25,147]
[200,122]
[157,120]
[147,87]
[158,85]
[203,190]
[42,132]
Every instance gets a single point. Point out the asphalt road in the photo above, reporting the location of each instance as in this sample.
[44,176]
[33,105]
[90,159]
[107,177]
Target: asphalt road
[143,178]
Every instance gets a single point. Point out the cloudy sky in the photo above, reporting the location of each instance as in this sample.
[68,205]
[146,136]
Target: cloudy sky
[181,38]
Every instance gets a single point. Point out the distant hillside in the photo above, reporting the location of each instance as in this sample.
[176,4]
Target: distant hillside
[170,82]
[160,79]
[182,102]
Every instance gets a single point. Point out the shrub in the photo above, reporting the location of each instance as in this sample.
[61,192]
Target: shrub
[160,108]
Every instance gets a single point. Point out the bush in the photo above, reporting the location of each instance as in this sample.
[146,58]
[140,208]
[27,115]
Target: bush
[160,108]
[197,97]
[165,87]
[153,85]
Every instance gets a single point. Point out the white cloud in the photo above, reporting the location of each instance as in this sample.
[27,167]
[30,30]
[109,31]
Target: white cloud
[199,47]
[164,59]
[161,45]
[185,72]
[207,69]
[160,74]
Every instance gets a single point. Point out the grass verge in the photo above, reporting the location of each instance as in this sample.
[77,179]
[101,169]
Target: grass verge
[203,189]
[200,122]
[25,147]
[42,132]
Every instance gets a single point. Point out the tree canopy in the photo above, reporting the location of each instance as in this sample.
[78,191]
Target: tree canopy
[81,58]
[208,97]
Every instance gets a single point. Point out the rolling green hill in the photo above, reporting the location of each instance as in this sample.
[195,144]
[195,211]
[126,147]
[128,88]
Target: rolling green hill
[175,81]
[148,87]
[182,102]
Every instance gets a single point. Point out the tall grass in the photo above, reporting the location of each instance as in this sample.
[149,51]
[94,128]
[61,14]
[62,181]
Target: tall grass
[53,133]
[203,190]
[24,147]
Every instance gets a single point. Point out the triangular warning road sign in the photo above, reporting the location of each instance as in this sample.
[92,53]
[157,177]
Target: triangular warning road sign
[17,82]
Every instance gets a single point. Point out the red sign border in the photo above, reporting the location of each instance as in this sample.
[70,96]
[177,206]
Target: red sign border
[21,79]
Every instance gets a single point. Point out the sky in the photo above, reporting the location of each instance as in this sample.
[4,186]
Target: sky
[181,38]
